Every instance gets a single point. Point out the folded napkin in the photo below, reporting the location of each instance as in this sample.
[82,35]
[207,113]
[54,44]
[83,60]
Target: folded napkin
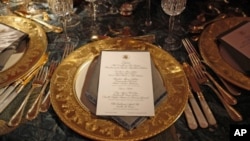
[11,41]
[234,46]
[90,91]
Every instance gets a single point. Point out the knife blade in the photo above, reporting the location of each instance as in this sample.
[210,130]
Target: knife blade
[8,91]
[196,88]
[8,99]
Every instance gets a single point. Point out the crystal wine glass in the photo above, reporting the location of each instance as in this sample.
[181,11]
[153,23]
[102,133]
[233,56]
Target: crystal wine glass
[172,8]
[4,5]
[94,8]
[62,8]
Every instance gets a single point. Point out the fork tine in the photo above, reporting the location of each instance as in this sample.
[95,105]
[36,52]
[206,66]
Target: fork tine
[67,50]
[186,46]
[191,47]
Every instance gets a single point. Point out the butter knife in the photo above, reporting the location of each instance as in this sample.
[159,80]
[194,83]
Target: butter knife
[196,88]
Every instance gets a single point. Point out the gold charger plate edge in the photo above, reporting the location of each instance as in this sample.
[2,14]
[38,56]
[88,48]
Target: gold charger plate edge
[69,110]
[210,52]
[36,49]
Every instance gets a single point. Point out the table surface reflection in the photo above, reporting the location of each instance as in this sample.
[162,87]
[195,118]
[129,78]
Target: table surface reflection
[47,126]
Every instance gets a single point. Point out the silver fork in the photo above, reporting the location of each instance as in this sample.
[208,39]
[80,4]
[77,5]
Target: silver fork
[46,101]
[204,76]
[190,49]
[37,82]
[34,109]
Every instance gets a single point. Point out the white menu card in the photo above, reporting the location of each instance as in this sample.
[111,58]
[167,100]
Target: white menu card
[125,84]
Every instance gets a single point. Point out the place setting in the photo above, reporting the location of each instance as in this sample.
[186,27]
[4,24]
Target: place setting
[134,78]
[216,56]
[76,106]
[21,57]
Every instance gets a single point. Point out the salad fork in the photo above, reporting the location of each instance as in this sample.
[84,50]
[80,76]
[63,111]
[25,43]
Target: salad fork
[34,109]
[46,101]
[38,81]
[204,76]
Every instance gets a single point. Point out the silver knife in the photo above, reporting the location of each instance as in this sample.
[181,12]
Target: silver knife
[4,57]
[13,90]
[196,88]
[9,99]
[8,91]
[192,124]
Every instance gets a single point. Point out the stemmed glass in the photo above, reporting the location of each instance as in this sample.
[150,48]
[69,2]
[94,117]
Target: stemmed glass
[172,8]
[4,5]
[62,8]
[93,8]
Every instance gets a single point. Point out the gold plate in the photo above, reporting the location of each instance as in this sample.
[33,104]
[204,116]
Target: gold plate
[71,111]
[210,52]
[36,49]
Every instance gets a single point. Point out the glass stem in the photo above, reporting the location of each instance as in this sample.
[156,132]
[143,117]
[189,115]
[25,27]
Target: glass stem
[65,29]
[148,21]
[171,28]
[94,11]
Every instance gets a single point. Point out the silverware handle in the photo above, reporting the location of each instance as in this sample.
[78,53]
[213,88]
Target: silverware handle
[17,117]
[192,124]
[198,113]
[34,110]
[206,109]
[234,114]
[231,88]
[52,27]
[228,98]
[46,103]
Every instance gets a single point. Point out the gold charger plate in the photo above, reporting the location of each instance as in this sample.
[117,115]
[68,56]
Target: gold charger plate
[35,50]
[210,52]
[33,55]
[72,112]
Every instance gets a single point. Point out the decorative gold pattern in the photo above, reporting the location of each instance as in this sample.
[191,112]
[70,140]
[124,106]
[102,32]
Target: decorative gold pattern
[210,52]
[36,49]
[72,113]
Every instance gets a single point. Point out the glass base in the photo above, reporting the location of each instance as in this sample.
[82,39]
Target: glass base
[73,20]
[172,43]
[62,40]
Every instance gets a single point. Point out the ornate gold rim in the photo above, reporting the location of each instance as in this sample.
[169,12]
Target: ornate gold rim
[36,49]
[210,52]
[71,112]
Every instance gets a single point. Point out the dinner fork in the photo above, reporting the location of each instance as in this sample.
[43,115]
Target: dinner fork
[34,109]
[204,76]
[38,81]
[46,101]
